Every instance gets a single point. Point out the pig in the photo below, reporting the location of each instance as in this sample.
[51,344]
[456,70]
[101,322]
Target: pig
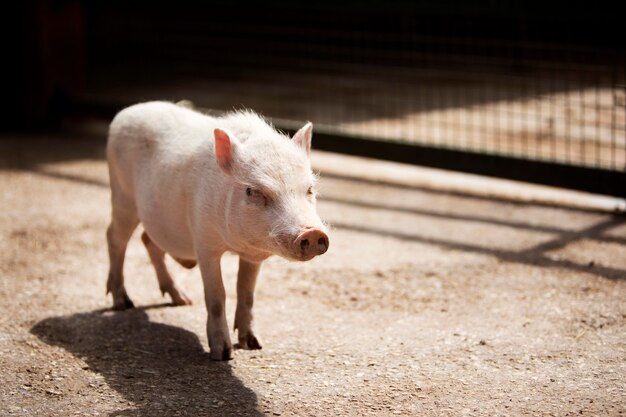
[201,186]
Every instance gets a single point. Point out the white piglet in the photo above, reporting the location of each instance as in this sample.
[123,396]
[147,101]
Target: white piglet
[202,186]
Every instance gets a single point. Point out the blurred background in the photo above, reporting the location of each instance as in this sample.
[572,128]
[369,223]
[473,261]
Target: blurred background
[532,91]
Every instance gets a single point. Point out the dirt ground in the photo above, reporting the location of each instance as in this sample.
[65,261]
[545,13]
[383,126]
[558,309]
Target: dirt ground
[427,303]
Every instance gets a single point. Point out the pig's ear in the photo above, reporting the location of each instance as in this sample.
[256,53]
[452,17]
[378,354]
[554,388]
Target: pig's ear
[226,146]
[302,138]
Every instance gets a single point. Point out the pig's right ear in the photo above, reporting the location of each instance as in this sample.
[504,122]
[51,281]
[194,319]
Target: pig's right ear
[302,137]
[226,146]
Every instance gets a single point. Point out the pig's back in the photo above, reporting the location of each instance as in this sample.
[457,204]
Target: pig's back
[147,129]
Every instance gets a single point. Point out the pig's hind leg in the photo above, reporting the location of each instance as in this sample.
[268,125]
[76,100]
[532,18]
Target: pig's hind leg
[123,223]
[166,283]
[246,281]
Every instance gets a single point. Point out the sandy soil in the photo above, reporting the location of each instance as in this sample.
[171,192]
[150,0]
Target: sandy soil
[428,303]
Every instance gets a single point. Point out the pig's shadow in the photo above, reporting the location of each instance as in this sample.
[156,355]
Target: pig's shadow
[163,370]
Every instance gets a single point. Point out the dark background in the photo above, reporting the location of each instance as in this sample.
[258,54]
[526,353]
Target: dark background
[56,50]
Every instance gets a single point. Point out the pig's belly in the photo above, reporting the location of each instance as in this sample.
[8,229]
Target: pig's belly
[167,227]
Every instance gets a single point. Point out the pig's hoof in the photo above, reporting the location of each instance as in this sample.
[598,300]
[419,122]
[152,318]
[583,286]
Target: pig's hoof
[178,297]
[123,303]
[249,342]
[224,354]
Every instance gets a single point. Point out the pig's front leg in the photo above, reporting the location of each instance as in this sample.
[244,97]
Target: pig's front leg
[246,281]
[215,298]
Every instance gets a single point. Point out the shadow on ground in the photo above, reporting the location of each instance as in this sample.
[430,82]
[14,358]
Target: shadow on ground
[162,370]
[536,256]
[29,151]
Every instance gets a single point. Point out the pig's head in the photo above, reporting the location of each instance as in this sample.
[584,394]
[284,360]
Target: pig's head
[271,206]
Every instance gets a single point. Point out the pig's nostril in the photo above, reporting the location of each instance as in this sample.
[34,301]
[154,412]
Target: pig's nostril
[322,244]
[304,244]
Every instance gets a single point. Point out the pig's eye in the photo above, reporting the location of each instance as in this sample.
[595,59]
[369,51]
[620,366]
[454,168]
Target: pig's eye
[256,196]
[310,191]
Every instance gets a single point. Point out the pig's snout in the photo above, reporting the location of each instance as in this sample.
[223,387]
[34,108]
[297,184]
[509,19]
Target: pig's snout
[310,243]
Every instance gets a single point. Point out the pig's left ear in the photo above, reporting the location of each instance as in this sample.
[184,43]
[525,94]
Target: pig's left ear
[302,138]
[226,150]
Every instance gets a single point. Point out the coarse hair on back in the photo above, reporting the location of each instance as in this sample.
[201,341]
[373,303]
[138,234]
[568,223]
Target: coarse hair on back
[245,122]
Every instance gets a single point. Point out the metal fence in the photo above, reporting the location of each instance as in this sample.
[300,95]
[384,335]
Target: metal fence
[542,100]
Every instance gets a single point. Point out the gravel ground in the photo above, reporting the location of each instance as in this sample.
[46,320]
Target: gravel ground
[428,303]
